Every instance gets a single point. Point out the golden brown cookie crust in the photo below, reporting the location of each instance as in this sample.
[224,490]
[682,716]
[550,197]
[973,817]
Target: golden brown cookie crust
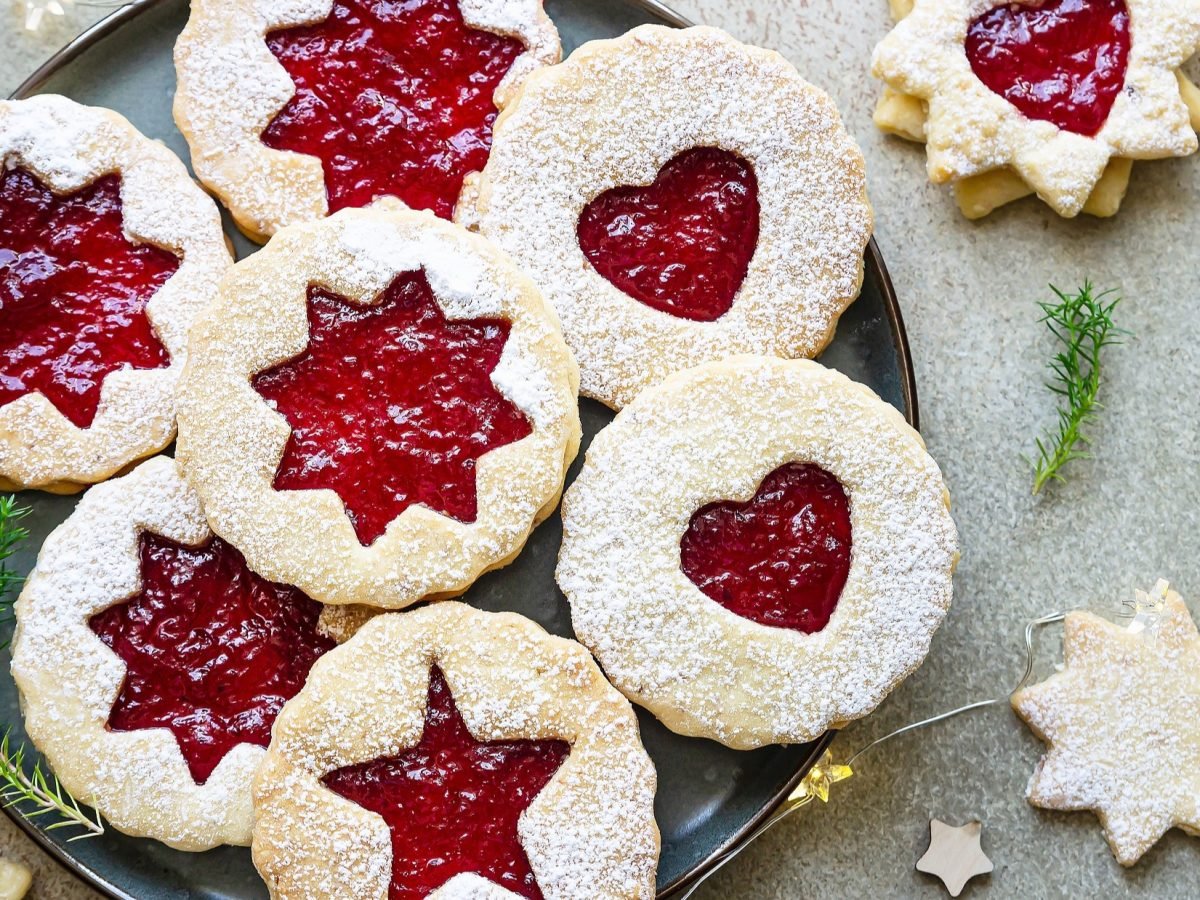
[589,834]
[711,434]
[971,131]
[69,679]
[231,440]
[68,146]
[230,87]
[613,114]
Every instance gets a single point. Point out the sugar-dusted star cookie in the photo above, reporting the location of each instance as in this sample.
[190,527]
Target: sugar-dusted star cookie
[954,854]
[1122,720]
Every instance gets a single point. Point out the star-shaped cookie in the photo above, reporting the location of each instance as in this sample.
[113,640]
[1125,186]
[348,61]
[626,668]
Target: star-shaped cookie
[1122,720]
[981,134]
[955,854]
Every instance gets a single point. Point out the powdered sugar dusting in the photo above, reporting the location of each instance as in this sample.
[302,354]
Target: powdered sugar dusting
[589,833]
[614,114]
[971,130]
[231,440]
[711,434]
[69,146]
[230,87]
[1121,721]
[69,678]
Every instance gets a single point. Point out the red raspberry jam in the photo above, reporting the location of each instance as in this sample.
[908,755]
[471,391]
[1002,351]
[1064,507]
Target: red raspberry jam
[683,243]
[212,651]
[391,405]
[73,293]
[453,803]
[779,559]
[395,99]
[1061,61]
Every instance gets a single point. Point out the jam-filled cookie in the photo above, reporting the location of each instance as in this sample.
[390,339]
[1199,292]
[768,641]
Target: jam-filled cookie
[151,662]
[294,110]
[1055,98]
[108,251]
[679,197]
[379,407]
[757,550]
[450,753]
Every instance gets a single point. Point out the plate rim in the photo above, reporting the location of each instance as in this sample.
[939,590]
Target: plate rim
[908,389]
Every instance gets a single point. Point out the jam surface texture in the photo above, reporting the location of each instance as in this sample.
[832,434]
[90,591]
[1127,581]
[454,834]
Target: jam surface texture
[1062,61]
[782,557]
[683,243]
[212,651]
[452,803]
[395,99]
[391,405]
[73,293]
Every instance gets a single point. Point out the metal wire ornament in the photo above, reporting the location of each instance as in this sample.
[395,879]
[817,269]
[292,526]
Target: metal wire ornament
[825,772]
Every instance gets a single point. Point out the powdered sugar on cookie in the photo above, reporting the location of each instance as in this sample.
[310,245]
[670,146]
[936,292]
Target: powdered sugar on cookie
[231,440]
[616,112]
[589,833]
[230,87]
[1121,721]
[712,434]
[69,146]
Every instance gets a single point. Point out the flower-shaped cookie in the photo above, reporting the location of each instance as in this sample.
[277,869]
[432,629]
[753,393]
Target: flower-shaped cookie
[1055,98]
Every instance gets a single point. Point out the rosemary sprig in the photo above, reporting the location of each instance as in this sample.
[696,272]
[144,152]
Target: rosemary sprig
[42,792]
[1083,325]
[11,535]
[34,793]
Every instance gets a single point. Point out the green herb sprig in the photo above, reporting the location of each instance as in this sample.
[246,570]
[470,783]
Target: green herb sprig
[11,536]
[1083,325]
[41,794]
[35,793]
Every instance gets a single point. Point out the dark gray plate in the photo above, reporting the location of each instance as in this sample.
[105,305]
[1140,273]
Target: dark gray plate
[709,797]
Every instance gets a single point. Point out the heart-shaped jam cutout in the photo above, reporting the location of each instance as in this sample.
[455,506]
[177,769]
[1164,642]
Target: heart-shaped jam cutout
[453,803]
[211,650]
[782,557]
[683,243]
[1061,61]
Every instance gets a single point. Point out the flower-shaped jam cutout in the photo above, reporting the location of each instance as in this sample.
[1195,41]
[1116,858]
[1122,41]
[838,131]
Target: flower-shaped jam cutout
[395,99]
[73,293]
[452,803]
[683,243]
[392,405]
[211,650]
[782,557]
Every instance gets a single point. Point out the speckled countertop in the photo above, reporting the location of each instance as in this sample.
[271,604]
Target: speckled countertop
[1129,516]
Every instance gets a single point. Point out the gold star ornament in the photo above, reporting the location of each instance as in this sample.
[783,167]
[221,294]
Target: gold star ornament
[1122,721]
[954,855]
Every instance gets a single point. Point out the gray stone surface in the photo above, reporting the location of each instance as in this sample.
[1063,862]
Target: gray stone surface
[1127,517]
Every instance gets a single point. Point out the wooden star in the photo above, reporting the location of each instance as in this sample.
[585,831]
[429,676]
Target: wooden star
[1122,720]
[954,854]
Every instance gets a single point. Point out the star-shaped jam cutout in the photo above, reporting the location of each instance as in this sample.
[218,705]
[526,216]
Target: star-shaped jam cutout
[453,803]
[73,293]
[395,99]
[392,404]
[211,650]
[1122,720]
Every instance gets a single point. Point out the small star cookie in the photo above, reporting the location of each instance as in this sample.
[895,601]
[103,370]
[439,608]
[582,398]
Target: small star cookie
[1055,97]
[1122,720]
